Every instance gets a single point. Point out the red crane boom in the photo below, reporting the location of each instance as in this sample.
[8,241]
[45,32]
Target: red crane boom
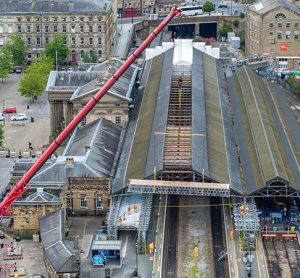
[21,187]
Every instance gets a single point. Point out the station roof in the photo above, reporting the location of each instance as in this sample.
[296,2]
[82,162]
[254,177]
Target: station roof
[59,251]
[107,245]
[89,153]
[142,150]
[267,156]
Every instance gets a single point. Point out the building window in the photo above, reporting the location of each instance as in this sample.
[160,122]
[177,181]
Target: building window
[90,18]
[46,40]
[46,28]
[280,16]
[91,40]
[90,29]
[37,19]
[69,200]
[99,29]
[19,29]
[55,19]
[64,28]
[19,19]
[99,53]
[64,19]
[296,25]
[10,28]
[287,36]
[73,29]
[296,36]
[55,28]
[73,41]
[1,28]
[81,19]
[73,18]
[65,40]
[99,201]
[28,41]
[83,201]
[81,28]
[38,41]
[46,19]
[29,55]
[118,120]
[28,28]
[99,18]
[271,25]
[38,28]
[28,19]
[81,54]
[279,24]
[279,36]
[83,121]
[288,25]
[117,104]
[99,40]
[271,35]
[81,40]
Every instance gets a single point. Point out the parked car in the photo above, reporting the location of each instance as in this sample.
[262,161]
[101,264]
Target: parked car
[1,117]
[37,276]
[19,117]
[70,70]
[10,110]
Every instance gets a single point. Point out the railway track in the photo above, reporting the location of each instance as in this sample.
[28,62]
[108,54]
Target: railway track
[283,257]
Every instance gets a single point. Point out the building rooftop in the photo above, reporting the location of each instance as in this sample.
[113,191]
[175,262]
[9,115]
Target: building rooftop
[89,153]
[54,6]
[265,6]
[59,251]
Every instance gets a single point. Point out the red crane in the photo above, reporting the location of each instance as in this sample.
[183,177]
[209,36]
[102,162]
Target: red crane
[22,186]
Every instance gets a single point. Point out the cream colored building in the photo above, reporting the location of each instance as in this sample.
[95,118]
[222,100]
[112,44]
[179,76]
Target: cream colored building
[272,25]
[89,27]
[69,92]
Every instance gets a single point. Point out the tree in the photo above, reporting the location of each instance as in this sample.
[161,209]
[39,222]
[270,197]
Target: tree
[225,28]
[34,80]
[208,7]
[242,39]
[86,58]
[5,64]
[57,49]
[1,136]
[294,83]
[17,49]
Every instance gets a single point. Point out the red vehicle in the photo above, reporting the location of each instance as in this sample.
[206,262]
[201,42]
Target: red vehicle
[10,110]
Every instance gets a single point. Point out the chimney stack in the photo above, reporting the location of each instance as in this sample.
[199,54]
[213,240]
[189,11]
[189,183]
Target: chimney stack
[69,162]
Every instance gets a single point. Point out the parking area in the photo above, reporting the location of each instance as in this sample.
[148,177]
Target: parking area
[19,133]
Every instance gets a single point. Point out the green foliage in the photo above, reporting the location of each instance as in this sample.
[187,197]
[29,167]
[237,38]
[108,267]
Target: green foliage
[236,23]
[242,15]
[225,28]
[241,34]
[1,135]
[208,7]
[58,46]
[5,63]
[34,80]
[197,39]
[94,58]
[294,83]
[86,58]
[17,49]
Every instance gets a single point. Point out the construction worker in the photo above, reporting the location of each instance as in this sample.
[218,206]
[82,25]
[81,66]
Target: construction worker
[128,210]
[135,208]
[196,252]
[151,247]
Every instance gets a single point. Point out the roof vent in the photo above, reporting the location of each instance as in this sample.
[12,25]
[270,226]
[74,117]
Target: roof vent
[39,190]
[87,148]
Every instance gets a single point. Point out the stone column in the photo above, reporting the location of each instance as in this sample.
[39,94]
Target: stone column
[52,121]
[65,111]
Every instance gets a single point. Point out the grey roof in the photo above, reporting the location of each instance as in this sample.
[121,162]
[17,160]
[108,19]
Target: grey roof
[122,88]
[265,6]
[210,115]
[41,196]
[59,251]
[54,6]
[265,152]
[92,149]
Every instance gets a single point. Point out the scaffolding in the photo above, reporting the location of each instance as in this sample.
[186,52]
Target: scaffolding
[113,218]
[179,188]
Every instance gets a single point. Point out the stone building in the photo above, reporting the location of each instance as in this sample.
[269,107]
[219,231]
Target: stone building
[69,92]
[81,175]
[88,27]
[28,211]
[272,28]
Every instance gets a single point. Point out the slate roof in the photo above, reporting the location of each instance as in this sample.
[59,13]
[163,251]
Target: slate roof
[58,250]
[210,115]
[92,149]
[54,6]
[265,6]
[41,197]
[266,155]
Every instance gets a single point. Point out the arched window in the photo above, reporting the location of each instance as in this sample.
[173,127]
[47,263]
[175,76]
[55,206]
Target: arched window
[82,53]
[280,16]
